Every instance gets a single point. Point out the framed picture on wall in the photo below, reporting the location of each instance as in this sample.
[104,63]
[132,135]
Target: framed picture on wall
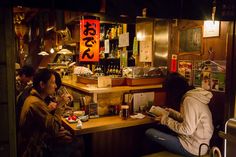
[185,69]
[190,41]
[218,82]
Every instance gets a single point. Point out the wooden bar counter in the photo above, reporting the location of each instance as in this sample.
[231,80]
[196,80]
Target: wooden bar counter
[104,124]
[93,90]
[112,136]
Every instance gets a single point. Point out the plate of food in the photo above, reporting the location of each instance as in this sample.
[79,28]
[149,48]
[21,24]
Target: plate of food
[72,119]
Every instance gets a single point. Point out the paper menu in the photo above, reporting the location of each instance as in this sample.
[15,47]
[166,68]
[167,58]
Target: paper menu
[141,100]
[104,82]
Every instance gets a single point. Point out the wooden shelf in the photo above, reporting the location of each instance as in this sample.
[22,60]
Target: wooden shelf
[93,89]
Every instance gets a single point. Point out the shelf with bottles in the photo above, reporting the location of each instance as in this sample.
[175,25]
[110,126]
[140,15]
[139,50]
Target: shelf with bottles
[110,31]
[113,52]
[105,67]
[111,66]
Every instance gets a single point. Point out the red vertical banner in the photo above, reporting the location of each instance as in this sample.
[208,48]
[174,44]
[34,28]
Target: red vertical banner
[173,63]
[89,39]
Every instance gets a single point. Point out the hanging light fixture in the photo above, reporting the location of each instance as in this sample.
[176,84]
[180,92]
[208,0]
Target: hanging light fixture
[213,10]
[212,27]
[65,52]
[43,53]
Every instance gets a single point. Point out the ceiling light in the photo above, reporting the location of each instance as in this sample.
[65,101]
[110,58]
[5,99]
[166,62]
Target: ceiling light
[123,15]
[65,52]
[52,50]
[50,28]
[43,53]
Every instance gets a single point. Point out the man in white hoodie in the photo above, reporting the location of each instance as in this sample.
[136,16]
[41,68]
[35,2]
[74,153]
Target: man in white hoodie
[192,123]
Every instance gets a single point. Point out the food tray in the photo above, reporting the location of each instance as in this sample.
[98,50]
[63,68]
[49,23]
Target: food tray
[120,81]
[144,81]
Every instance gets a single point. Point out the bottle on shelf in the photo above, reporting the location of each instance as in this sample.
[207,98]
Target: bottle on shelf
[112,53]
[116,54]
[111,70]
[119,30]
[108,34]
[117,70]
[102,33]
[121,71]
[102,69]
[114,70]
[108,70]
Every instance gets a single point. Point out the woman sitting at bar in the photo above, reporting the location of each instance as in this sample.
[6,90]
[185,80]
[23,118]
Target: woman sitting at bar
[51,100]
[191,125]
[40,131]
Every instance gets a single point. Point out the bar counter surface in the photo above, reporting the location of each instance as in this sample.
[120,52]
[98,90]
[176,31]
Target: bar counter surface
[93,89]
[104,124]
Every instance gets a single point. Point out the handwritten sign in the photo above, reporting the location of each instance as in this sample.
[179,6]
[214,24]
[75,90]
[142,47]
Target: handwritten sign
[89,40]
[211,29]
[104,82]
[146,51]
[107,46]
[124,40]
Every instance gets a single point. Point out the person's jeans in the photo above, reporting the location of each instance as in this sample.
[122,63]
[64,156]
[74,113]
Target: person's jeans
[168,141]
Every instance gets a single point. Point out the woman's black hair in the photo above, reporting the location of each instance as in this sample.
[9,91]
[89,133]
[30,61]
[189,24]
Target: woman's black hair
[176,86]
[58,79]
[41,75]
[26,70]
[49,99]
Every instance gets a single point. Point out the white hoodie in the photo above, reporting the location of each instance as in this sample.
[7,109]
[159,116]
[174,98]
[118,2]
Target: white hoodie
[194,122]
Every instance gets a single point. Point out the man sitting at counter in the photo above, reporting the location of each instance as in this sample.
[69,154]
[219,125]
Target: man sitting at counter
[40,131]
[24,78]
[191,125]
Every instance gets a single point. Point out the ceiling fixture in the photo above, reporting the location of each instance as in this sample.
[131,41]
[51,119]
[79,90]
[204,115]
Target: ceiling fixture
[52,50]
[144,14]
[50,28]
[213,10]
[43,53]
[65,52]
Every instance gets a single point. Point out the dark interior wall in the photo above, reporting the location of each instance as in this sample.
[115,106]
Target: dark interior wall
[217,106]
[7,85]
[231,72]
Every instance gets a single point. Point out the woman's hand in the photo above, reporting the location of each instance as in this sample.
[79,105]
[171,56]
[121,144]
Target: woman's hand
[67,98]
[52,106]
[158,119]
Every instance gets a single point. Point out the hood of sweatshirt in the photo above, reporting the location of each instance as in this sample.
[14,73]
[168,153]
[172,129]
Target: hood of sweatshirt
[200,94]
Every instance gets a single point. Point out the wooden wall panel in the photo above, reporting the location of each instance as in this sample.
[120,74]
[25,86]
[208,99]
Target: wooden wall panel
[3,85]
[3,123]
[7,84]
[218,44]
[125,142]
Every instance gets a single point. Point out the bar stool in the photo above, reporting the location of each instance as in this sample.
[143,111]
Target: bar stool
[162,154]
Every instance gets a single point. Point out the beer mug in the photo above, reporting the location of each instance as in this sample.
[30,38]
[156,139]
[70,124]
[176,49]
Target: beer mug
[124,112]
